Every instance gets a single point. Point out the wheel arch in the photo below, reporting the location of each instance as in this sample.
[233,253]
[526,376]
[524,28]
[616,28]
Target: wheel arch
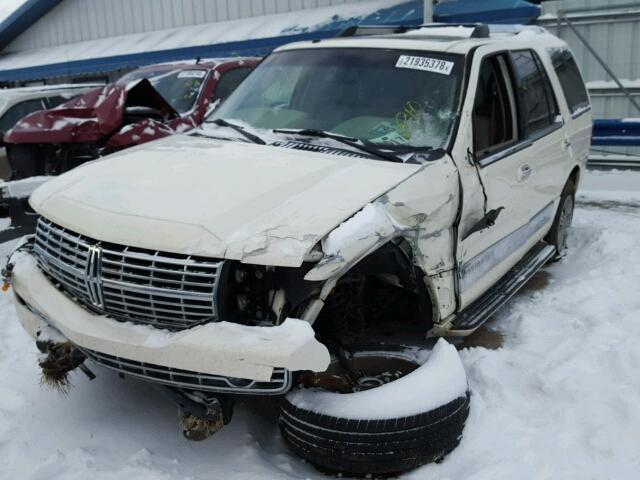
[574,177]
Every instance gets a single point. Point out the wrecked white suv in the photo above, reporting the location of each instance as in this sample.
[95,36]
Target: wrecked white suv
[352,200]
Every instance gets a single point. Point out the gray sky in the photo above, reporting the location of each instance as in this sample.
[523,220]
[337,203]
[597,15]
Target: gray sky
[8,6]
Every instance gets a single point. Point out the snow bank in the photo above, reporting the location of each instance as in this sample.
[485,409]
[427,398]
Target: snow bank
[439,381]
[558,400]
[22,188]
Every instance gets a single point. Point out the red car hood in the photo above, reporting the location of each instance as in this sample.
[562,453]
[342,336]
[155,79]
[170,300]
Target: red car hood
[89,117]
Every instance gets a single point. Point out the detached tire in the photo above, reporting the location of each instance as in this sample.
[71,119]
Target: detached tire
[559,232]
[377,446]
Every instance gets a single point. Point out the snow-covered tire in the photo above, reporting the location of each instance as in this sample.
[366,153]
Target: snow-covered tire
[379,445]
[557,236]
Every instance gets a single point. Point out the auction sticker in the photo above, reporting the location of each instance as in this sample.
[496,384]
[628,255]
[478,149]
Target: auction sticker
[192,74]
[425,64]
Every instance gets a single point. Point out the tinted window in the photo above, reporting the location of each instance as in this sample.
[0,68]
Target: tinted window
[570,80]
[53,102]
[534,89]
[18,112]
[228,82]
[493,124]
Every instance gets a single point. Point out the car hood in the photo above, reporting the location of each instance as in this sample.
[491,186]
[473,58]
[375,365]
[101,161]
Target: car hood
[189,195]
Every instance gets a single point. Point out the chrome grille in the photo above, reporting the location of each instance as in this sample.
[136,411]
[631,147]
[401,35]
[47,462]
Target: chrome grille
[280,380]
[160,289]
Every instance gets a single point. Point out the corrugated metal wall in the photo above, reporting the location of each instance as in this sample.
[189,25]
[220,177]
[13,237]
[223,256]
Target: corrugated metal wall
[615,34]
[79,20]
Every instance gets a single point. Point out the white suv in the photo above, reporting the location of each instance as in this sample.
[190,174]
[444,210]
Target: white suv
[353,199]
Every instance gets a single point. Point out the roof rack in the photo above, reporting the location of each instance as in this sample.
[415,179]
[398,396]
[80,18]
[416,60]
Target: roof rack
[480,30]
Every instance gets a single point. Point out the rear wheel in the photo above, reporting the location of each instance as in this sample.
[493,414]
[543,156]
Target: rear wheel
[559,232]
[391,417]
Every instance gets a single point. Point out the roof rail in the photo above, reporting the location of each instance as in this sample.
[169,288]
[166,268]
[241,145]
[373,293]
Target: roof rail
[480,30]
[361,30]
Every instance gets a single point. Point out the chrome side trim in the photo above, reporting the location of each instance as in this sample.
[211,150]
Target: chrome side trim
[475,268]
[467,321]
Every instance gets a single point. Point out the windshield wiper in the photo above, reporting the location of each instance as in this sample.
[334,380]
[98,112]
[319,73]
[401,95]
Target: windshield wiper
[221,122]
[352,142]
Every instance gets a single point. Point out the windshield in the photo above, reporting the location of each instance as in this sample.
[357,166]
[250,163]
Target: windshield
[178,87]
[386,97]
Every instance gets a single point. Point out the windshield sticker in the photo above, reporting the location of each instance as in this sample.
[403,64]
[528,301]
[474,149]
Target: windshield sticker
[385,132]
[192,74]
[425,64]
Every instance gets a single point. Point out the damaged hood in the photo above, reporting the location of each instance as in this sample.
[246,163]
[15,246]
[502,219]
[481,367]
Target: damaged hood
[89,117]
[190,195]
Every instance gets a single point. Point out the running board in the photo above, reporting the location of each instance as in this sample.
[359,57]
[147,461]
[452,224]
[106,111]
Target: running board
[482,309]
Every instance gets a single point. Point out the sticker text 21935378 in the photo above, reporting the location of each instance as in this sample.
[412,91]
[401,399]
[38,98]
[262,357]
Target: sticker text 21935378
[425,63]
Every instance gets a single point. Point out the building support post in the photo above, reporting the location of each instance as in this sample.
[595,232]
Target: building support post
[428,12]
[599,59]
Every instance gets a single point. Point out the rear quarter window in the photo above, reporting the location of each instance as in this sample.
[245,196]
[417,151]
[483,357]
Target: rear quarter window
[571,81]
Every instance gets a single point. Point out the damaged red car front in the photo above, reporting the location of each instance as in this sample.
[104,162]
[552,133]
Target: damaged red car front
[146,104]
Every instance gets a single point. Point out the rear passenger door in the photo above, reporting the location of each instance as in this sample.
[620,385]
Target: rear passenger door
[548,147]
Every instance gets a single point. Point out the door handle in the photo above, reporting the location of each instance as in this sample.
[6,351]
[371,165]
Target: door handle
[524,172]
[566,143]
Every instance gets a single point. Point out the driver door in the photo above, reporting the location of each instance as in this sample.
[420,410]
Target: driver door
[497,207]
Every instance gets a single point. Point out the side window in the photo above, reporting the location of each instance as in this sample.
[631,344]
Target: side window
[570,80]
[494,120]
[228,83]
[538,104]
[53,102]
[19,111]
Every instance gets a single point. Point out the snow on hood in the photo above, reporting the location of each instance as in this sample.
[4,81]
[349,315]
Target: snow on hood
[191,195]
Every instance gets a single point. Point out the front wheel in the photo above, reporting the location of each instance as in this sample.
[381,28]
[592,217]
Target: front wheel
[395,416]
[559,232]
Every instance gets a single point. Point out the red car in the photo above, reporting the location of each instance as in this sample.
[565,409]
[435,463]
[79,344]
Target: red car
[144,105]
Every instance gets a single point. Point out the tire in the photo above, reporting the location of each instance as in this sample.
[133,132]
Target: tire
[384,447]
[26,161]
[559,232]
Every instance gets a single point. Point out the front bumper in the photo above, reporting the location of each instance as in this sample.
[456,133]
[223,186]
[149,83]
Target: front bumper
[220,348]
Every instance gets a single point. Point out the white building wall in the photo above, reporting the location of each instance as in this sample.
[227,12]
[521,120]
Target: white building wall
[80,20]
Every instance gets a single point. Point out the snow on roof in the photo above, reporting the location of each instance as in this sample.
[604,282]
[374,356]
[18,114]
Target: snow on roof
[18,92]
[206,34]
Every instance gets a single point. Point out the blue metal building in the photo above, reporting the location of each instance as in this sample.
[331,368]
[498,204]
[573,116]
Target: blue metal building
[66,40]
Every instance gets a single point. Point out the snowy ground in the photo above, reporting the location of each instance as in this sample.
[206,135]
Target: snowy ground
[558,400]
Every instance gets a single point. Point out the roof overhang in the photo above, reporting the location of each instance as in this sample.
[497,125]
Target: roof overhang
[255,36]
[19,21]
[242,37]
